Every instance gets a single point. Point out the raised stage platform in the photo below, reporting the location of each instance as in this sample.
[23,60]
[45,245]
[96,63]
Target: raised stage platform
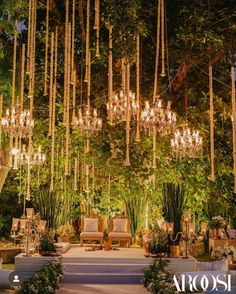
[122,266]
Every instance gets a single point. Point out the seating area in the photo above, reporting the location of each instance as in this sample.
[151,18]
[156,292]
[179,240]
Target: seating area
[92,229]
[118,146]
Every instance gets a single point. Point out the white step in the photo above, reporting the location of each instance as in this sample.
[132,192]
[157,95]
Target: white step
[102,278]
[101,260]
[104,268]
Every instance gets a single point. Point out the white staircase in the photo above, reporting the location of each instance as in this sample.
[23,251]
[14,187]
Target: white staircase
[104,270]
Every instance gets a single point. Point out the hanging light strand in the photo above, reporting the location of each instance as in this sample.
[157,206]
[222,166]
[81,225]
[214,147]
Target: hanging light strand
[68,104]
[22,77]
[52,60]
[137,138]
[212,146]
[110,74]
[53,141]
[73,40]
[46,49]
[123,74]
[66,61]
[127,158]
[163,38]
[233,122]
[74,95]
[155,88]
[14,66]
[97,25]
[54,114]
[32,55]
[87,41]
[29,36]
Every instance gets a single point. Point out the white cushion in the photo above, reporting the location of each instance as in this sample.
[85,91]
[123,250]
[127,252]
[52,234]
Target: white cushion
[119,235]
[232,234]
[91,234]
[120,225]
[218,265]
[90,224]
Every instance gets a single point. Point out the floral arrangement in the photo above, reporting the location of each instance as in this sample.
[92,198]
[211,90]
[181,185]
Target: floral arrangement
[158,241]
[158,244]
[66,231]
[158,279]
[45,281]
[217,222]
[221,253]
[46,245]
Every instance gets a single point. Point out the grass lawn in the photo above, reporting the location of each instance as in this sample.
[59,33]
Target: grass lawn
[8,266]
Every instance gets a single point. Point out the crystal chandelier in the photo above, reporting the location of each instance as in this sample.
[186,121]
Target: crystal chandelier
[157,117]
[187,142]
[36,158]
[88,120]
[18,121]
[117,108]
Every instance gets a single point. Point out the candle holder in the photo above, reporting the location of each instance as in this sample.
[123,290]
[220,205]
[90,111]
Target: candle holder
[29,227]
[188,232]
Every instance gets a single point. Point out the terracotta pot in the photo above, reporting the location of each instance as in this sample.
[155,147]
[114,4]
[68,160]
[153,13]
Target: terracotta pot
[65,239]
[174,251]
[107,245]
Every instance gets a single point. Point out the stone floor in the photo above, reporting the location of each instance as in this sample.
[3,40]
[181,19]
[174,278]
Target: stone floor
[101,289]
[80,252]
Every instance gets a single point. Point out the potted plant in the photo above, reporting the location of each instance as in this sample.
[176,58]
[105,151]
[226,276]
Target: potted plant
[106,242]
[158,246]
[173,202]
[66,232]
[215,224]
[46,245]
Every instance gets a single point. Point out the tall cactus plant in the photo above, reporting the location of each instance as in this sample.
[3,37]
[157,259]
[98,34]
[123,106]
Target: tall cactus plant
[173,203]
[135,203]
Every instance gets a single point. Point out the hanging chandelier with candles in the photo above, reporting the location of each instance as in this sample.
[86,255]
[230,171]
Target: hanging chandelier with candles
[118,106]
[36,158]
[17,121]
[156,116]
[187,142]
[88,120]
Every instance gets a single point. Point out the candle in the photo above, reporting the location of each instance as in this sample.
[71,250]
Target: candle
[186,216]
[15,222]
[192,228]
[170,228]
[22,224]
[203,227]
[42,225]
[29,212]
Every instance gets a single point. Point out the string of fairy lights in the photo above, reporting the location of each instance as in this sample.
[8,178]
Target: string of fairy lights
[123,105]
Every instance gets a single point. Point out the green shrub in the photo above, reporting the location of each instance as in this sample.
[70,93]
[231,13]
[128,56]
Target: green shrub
[45,281]
[158,279]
